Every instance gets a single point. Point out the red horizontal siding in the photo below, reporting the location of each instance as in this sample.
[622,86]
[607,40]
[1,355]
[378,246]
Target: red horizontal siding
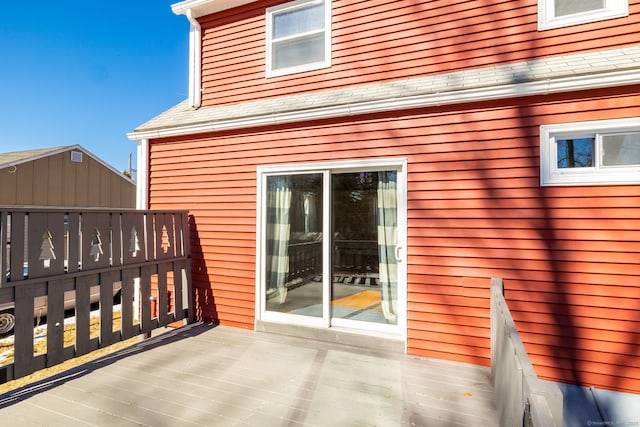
[568,255]
[375,40]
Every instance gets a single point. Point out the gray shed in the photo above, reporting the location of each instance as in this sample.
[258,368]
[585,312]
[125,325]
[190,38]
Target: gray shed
[67,176]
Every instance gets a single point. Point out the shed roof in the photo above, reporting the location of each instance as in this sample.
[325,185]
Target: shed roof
[16,157]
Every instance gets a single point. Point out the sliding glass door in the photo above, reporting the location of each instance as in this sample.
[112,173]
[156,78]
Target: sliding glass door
[331,245]
[364,283]
[294,244]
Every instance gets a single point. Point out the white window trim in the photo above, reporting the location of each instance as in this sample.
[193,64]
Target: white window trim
[305,67]
[399,330]
[551,175]
[548,20]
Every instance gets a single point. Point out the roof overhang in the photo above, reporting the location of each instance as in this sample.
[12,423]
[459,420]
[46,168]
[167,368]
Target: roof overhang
[205,7]
[557,74]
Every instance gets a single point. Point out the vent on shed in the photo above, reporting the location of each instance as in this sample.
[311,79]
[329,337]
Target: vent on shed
[76,156]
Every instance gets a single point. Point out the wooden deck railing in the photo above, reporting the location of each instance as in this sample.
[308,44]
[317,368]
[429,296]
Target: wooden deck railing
[523,399]
[61,263]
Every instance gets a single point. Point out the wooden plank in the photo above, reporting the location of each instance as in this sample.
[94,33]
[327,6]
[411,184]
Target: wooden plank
[134,238]
[115,186]
[179,222]
[4,248]
[163,300]
[46,238]
[104,188]
[25,184]
[95,240]
[106,284]
[55,320]
[117,239]
[150,234]
[17,245]
[71,180]
[129,327]
[180,295]
[93,183]
[145,298]
[73,242]
[165,236]
[23,331]
[9,187]
[83,307]
[39,195]
[54,180]
[82,179]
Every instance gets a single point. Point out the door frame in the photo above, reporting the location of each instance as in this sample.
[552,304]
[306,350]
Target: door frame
[328,168]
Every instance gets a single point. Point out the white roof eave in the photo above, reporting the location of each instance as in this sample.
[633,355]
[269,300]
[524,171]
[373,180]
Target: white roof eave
[205,7]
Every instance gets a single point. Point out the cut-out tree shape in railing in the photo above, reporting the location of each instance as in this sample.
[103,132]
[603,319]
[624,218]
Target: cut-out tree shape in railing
[96,246]
[46,249]
[134,245]
[165,243]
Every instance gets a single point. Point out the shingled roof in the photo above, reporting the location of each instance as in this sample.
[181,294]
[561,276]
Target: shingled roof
[18,157]
[577,71]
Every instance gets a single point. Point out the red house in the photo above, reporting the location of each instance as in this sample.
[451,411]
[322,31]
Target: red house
[358,170]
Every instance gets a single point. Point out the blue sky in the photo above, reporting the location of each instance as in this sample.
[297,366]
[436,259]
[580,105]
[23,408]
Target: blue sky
[88,72]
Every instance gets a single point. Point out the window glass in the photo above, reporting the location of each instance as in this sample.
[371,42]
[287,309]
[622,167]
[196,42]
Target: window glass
[568,7]
[298,21]
[575,153]
[563,13]
[621,149]
[599,152]
[298,37]
[293,241]
[290,53]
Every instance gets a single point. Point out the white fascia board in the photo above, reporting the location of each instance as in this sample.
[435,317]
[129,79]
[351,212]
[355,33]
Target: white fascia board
[515,90]
[205,7]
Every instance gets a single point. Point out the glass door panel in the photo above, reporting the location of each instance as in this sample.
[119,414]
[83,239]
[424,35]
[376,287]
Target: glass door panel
[363,246]
[294,260]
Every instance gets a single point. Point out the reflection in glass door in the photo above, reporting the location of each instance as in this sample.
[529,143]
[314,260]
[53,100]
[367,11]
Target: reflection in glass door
[293,236]
[330,247]
[364,265]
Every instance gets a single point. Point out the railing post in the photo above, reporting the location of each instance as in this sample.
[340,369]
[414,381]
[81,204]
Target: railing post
[521,396]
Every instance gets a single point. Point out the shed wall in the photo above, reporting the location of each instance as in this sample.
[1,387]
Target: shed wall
[568,255]
[57,181]
[381,40]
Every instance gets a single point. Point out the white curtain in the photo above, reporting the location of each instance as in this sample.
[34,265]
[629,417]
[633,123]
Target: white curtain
[278,232]
[387,243]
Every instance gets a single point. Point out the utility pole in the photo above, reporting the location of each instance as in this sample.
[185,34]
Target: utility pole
[131,170]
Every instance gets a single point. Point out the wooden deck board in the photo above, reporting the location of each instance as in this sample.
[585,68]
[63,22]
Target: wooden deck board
[204,375]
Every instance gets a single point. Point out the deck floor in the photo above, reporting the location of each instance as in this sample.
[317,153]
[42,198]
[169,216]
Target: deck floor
[201,375]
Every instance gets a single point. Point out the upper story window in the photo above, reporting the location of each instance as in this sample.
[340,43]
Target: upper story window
[562,13]
[298,37]
[587,153]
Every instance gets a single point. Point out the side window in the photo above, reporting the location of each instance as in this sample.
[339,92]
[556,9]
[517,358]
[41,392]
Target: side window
[562,13]
[298,37]
[588,153]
